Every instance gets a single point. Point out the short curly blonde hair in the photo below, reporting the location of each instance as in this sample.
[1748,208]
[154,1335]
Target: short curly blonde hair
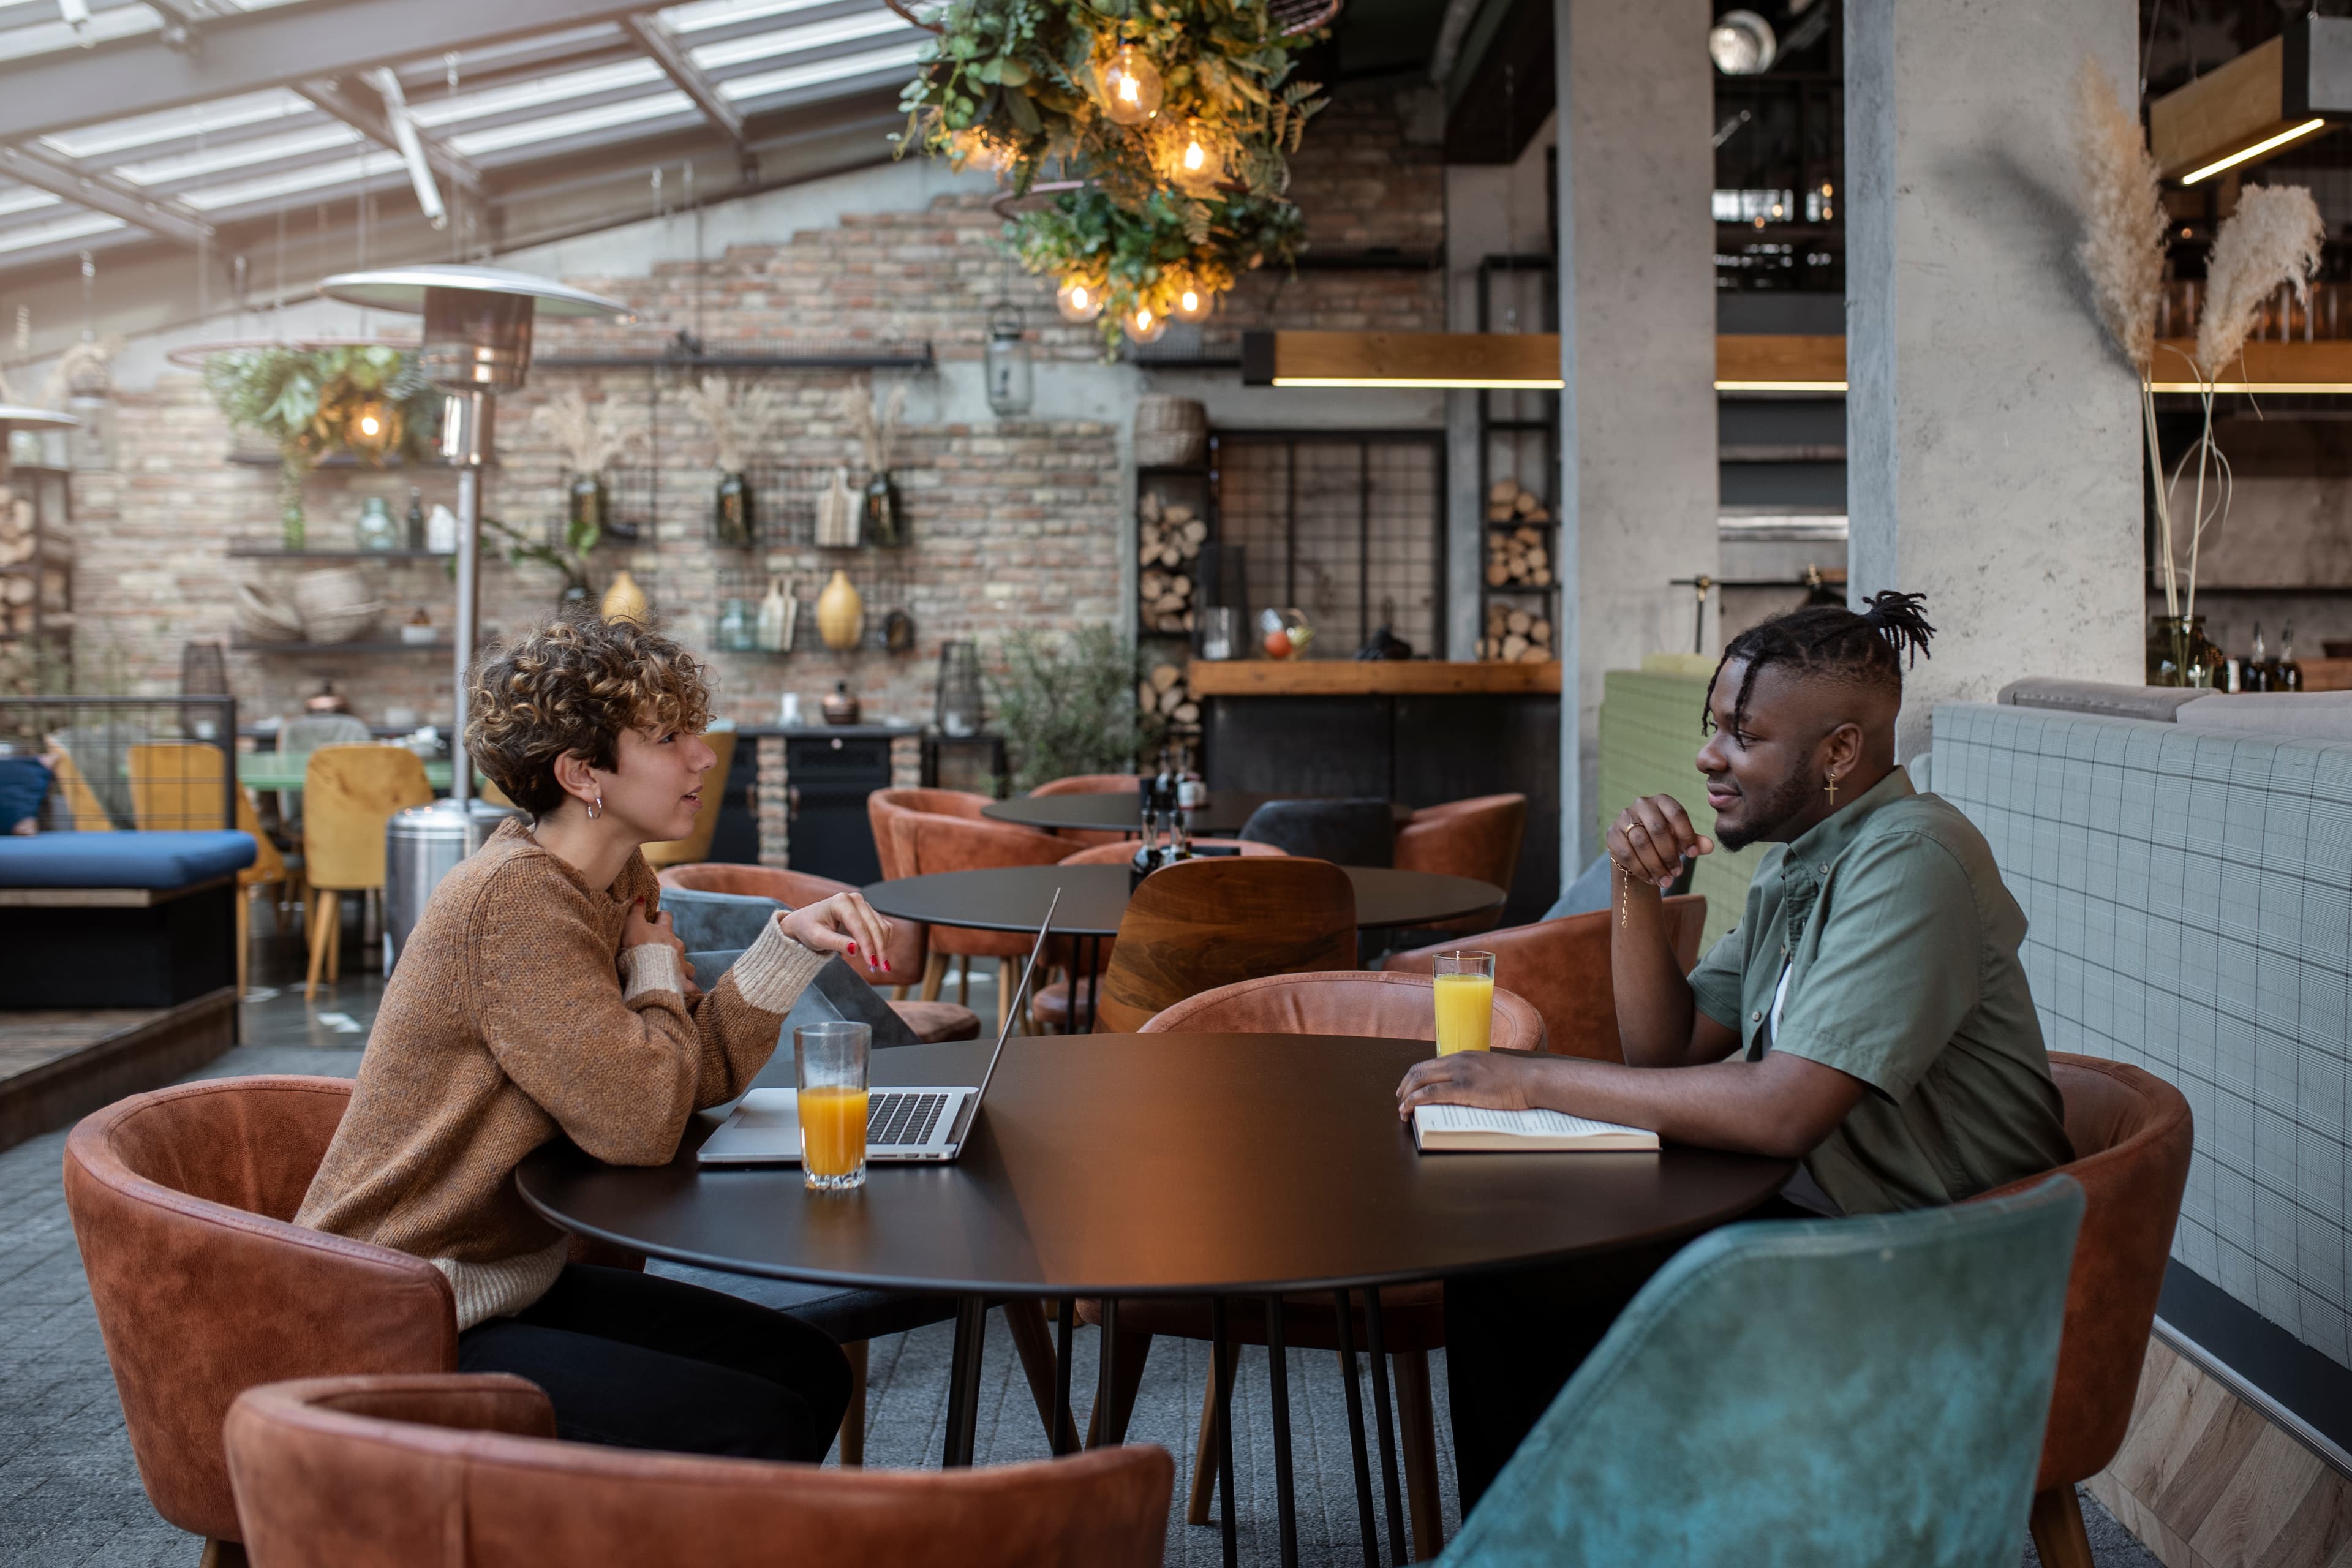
[572,685]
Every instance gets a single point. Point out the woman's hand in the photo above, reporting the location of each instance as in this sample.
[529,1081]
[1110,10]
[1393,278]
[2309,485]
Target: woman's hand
[1496,1079]
[1651,839]
[844,923]
[636,930]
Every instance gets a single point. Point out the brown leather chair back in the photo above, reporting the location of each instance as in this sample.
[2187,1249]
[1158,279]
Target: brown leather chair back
[1199,924]
[885,807]
[1348,1002]
[1477,837]
[794,889]
[1122,852]
[1089,783]
[928,844]
[181,1200]
[2132,1136]
[395,1472]
[1562,966]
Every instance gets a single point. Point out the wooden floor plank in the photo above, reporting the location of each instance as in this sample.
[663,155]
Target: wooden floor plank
[2261,1496]
[2221,1431]
[2319,1531]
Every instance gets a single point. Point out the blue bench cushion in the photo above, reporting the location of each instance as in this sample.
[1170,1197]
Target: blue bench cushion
[160,861]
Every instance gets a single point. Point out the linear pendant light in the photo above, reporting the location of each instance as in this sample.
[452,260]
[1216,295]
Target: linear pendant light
[1526,362]
[2274,95]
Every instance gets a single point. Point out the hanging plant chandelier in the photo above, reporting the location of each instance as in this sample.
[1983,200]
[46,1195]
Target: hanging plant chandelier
[1169,124]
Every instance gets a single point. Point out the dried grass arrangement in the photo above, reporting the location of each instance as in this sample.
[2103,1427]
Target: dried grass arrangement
[589,440]
[873,423]
[2272,240]
[739,416]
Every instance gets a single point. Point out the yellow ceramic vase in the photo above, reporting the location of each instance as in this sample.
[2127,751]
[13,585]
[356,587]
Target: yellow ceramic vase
[624,601]
[841,613]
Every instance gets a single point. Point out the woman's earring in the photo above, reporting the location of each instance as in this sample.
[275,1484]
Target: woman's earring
[597,810]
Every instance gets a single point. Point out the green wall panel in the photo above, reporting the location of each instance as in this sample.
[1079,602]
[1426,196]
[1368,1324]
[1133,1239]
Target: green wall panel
[1649,737]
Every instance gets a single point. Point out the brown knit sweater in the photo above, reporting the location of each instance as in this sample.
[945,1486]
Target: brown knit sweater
[514,1016]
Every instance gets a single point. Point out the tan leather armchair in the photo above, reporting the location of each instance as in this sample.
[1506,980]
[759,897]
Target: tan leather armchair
[180,1201]
[1343,1002]
[1475,837]
[389,1472]
[2132,1135]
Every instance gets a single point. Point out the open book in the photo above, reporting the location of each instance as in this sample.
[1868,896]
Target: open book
[1470,1130]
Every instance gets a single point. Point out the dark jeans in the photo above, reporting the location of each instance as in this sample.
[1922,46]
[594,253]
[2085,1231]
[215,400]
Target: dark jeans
[635,1360]
[1514,1339]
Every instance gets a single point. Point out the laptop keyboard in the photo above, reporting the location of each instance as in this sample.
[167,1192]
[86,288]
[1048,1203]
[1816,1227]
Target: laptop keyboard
[902,1119]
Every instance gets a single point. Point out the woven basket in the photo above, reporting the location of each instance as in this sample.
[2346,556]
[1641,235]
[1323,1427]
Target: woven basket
[1170,432]
[339,604]
[264,617]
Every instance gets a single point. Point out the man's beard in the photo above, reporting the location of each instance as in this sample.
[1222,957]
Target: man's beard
[1784,804]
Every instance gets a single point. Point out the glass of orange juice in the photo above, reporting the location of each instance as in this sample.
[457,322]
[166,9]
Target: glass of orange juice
[829,1061]
[1465,996]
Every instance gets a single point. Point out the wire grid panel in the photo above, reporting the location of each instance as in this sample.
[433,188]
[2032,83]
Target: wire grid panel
[1343,529]
[123,763]
[2189,895]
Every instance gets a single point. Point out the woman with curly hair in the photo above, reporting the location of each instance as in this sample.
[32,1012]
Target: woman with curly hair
[543,993]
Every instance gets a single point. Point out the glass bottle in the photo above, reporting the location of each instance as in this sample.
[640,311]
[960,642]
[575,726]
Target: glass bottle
[2180,653]
[2254,675]
[2286,675]
[732,510]
[886,524]
[1147,848]
[375,529]
[415,518]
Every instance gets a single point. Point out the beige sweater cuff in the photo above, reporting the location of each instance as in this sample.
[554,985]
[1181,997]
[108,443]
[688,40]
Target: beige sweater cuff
[650,966]
[774,970]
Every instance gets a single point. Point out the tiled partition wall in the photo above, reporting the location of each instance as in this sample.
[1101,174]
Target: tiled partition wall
[2189,896]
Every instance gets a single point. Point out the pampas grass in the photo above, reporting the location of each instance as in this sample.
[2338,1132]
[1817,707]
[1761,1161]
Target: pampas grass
[580,429]
[738,416]
[2272,240]
[873,427]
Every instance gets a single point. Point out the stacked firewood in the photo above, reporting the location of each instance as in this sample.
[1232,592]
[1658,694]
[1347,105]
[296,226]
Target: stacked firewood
[1515,637]
[1517,553]
[1164,692]
[1169,538]
[17,541]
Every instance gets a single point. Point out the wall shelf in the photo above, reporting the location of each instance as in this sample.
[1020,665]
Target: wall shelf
[277,552]
[343,461]
[685,352]
[244,645]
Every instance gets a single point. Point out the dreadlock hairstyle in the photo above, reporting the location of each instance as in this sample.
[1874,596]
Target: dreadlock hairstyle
[1828,640]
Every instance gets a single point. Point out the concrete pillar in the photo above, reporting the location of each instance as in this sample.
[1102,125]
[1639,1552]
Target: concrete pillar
[1637,353]
[1991,433]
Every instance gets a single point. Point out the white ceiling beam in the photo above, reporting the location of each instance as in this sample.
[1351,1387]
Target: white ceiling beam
[661,46]
[364,115]
[248,51]
[99,191]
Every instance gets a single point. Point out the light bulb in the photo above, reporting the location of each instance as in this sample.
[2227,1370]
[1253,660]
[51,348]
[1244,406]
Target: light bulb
[1196,156]
[1131,87]
[1144,325]
[1194,303]
[1076,301]
[370,426]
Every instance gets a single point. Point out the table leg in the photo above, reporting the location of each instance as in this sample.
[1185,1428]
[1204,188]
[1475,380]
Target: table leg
[1090,949]
[1104,1380]
[1286,1499]
[1222,1350]
[1063,1431]
[1356,1429]
[1375,1343]
[963,1381]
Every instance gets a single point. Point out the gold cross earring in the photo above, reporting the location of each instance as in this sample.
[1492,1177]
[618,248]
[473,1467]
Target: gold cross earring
[1832,788]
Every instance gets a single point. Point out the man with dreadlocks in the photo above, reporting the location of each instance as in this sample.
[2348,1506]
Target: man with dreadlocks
[1868,1016]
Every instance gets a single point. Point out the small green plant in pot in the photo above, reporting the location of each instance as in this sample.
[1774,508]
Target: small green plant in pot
[1066,704]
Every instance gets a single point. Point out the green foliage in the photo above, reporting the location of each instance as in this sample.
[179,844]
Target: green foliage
[1066,705]
[1019,82]
[302,399]
[580,537]
[1149,256]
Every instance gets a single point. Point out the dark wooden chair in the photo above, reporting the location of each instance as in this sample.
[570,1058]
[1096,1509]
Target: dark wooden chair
[1200,924]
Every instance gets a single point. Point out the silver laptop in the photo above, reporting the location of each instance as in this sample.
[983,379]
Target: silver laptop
[923,1123]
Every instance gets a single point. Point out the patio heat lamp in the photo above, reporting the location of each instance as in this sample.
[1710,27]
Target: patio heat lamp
[478,327]
[16,416]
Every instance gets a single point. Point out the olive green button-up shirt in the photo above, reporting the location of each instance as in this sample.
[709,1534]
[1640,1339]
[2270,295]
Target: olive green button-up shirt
[1901,943]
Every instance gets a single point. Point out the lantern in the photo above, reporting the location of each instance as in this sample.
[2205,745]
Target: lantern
[1011,379]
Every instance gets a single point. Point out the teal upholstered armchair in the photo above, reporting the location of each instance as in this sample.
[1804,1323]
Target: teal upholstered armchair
[1817,1394]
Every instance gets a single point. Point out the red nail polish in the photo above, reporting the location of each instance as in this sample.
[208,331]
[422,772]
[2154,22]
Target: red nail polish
[853,947]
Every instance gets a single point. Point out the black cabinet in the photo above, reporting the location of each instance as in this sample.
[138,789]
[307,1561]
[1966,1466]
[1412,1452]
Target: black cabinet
[828,778]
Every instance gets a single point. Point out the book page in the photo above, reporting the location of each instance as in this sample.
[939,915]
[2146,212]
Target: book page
[1516,1124]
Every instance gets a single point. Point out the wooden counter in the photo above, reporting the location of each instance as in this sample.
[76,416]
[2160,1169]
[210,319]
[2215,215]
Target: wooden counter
[1367,678]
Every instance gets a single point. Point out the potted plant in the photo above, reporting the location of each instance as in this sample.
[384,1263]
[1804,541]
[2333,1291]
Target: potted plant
[738,416]
[589,444]
[367,399]
[876,426]
[1066,704]
[570,558]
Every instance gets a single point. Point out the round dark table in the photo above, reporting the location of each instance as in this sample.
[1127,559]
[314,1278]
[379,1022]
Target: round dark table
[1220,815]
[1216,1166]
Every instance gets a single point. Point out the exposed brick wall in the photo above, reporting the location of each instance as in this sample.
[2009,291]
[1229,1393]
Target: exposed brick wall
[1014,523]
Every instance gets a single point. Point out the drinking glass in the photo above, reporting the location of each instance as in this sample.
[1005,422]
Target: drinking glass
[829,1061]
[1465,997]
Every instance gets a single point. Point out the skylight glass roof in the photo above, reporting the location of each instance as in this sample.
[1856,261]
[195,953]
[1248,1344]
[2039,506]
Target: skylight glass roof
[564,92]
